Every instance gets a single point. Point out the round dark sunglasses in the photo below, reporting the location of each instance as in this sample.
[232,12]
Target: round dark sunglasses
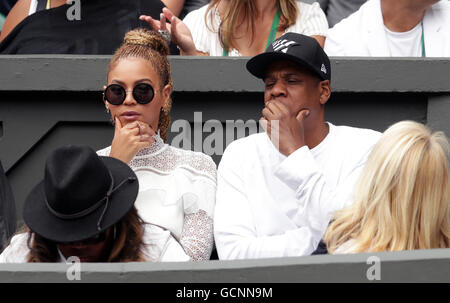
[115,94]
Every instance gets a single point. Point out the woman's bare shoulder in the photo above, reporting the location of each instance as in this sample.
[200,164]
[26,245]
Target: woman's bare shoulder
[16,15]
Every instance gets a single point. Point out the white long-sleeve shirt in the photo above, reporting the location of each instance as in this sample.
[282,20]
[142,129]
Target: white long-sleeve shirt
[270,205]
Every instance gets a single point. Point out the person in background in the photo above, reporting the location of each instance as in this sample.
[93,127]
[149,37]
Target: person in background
[240,28]
[277,190]
[336,10]
[94,27]
[402,199]
[84,208]
[177,187]
[24,8]
[393,28]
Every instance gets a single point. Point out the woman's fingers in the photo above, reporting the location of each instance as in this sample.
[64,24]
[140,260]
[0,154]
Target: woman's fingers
[117,124]
[131,129]
[146,133]
[145,18]
[129,139]
[139,128]
[162,22]
[146,129]
[155,24]
[173,21]
[169,15]
[179,32]
[150,130]
[144,138]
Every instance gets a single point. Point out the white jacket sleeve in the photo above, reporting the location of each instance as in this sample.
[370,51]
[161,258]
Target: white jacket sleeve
[344,38]
[317,201]
[334,42]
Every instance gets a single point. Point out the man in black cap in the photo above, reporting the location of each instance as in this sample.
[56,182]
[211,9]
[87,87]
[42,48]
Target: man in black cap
[277,190]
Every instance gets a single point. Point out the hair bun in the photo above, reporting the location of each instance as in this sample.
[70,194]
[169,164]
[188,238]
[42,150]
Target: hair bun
[148,38]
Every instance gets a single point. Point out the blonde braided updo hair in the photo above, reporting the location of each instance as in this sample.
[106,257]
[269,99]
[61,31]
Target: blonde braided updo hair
[149,45]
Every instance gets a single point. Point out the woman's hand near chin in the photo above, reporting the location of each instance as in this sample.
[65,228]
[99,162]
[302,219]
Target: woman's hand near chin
[130,139]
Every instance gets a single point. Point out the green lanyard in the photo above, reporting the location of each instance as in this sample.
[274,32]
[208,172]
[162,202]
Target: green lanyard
[423,42]
[273,32]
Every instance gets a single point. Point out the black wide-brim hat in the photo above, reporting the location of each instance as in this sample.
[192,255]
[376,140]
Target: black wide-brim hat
[43,221]
[298,48]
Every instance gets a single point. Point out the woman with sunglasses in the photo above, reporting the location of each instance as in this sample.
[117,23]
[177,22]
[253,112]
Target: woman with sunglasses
[177,187]
[84,208]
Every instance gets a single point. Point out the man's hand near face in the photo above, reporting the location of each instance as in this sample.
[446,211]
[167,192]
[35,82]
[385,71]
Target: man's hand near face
[284,127]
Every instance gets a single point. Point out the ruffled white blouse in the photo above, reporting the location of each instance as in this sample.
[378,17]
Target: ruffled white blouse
[177,191]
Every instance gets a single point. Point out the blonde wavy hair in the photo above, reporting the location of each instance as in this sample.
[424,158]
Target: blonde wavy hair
[149,45]
[244,11]
[402,197]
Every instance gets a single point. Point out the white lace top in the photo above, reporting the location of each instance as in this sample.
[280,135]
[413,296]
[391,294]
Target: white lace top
[311,20]
[177,192]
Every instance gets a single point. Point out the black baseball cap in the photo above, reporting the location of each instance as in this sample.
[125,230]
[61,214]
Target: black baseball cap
[303,50]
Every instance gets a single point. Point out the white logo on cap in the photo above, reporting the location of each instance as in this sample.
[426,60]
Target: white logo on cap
[282,45]
[323,68]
